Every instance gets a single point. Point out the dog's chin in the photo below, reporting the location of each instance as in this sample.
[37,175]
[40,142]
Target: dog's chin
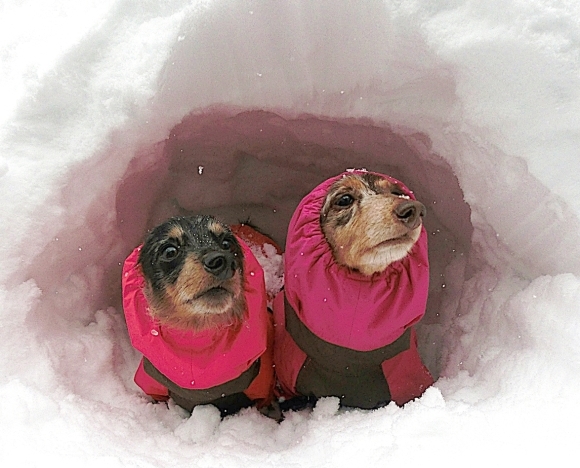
[213,308]
[213,300]
[402,242]
[380,256]
[214,296]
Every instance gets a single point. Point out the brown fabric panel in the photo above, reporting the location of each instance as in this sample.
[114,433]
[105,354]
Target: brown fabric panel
[314,346]
[228,404]
[366,390]
[228,397]
[356,377]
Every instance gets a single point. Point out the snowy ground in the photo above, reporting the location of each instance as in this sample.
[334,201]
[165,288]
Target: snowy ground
[116,114]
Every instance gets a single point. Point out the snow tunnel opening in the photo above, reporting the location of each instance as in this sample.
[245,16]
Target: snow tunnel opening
[257,166]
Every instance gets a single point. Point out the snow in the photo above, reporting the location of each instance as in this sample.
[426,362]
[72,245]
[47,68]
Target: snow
[115,115]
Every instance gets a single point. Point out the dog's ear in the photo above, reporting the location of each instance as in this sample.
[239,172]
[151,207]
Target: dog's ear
[325,209]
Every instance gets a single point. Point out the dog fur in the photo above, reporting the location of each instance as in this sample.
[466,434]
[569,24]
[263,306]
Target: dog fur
[369,222]
[193,267]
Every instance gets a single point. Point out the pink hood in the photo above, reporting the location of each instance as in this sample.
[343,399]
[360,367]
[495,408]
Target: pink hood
[204,359]
[369,312]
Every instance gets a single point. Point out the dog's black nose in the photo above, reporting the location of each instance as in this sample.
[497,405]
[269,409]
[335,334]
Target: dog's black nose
[219,264]
[410,213]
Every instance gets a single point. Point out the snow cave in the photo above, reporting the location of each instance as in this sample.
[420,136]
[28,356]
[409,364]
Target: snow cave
[135,113]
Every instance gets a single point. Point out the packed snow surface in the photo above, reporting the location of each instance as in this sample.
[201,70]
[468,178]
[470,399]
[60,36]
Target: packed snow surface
[115,115]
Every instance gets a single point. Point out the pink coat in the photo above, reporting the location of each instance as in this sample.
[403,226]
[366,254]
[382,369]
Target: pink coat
[200,360]
[346,308]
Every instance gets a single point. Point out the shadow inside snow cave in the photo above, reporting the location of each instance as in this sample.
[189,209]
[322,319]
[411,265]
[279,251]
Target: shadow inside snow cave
[257,165]
[237,166]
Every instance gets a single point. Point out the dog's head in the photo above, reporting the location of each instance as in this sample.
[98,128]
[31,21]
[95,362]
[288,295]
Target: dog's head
[369,222]
[193,269]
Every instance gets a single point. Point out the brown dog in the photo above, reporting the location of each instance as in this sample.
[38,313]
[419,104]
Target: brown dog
[195,304]
[369,222]
[356,280]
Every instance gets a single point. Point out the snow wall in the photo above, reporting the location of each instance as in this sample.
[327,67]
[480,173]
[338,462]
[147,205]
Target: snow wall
[116,115]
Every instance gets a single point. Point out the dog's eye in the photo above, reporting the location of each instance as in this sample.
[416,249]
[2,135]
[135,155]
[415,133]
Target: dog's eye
[169,253]
[344,200]
[226,244]
[397,192]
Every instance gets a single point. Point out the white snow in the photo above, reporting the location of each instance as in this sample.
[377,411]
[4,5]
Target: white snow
[115,115]
[273,265]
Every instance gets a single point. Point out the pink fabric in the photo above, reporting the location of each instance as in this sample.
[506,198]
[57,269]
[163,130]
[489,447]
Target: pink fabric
[195,360]
[367,312]
[288,357]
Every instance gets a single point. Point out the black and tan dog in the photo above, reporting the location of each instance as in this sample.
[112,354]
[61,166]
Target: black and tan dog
[195,304]
[194,273]
[356,280]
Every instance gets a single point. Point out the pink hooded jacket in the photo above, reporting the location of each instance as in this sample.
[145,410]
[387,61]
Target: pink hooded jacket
[205,359]
[348,309]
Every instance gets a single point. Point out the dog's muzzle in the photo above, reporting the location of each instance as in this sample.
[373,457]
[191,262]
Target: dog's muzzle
[222,265]
[410,213]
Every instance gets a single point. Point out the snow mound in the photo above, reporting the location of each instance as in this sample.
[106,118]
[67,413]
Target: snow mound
[130,114]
